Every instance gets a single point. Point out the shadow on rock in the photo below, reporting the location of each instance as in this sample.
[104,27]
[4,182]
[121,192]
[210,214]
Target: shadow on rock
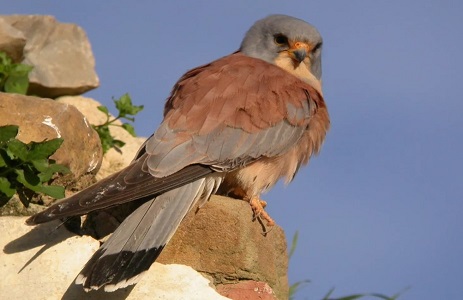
[77,292]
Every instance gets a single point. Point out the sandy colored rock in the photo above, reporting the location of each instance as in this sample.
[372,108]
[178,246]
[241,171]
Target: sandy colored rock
[221,241]
[12,41]
[39,261]
[60,53]
[113,160]
[40,119]
[247,290]
[42,262]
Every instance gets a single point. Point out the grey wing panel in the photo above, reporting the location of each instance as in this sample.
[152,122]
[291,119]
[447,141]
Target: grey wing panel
[223,149]
[127,185]
[138,241]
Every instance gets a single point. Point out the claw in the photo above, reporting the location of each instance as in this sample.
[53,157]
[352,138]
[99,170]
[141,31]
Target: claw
[257,206]
[263,203]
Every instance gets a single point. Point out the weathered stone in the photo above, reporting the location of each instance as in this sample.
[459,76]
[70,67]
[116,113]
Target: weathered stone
[40,119]
[38,256]
[42,262]
[14,207]
[221,240]
[60,53]
[247,290]
[113,160]
[12,41]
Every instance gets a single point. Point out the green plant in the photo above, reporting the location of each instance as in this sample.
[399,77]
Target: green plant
[126,109]
[25,168]
[359,296]
[14,78]
[295,287]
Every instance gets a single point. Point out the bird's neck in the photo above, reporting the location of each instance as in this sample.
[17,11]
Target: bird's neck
[301,71]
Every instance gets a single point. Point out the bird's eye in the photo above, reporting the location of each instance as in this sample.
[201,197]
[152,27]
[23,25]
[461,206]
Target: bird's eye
[317,47]
[281,40]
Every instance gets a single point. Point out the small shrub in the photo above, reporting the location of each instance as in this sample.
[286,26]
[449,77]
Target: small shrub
[14,78]
[26,168]
[126,110]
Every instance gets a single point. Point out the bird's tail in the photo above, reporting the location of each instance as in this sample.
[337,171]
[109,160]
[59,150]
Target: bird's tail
[139,240]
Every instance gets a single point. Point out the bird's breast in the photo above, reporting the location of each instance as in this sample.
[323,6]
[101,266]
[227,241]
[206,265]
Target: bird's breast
[261,175]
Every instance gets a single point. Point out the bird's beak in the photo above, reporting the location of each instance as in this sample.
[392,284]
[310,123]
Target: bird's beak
[298,54]
[298,51]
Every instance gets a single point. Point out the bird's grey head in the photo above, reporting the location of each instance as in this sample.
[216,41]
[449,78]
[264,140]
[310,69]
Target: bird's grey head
[266,39]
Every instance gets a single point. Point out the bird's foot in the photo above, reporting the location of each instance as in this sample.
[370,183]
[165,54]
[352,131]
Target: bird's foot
[258,206]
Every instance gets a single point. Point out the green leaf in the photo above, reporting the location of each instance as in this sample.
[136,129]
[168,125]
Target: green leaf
[5,60]
[103,109]
[359,296]
[293,244]
[118,143]
[44,149]
[102,130]
[18,149]
[54,191]
[8,132]
[47,174]
[57,168]
[28,177]
[21,178]
[14,78]
[125,107]
[41,165]
[25,167]
[328,294]
[2,162]
[394,297]
[5,188]
[351,297]
[381,296]
[5,160]
[129,128]
[17,84]
[20,70]
[295,287]
[129,118]
[105,137]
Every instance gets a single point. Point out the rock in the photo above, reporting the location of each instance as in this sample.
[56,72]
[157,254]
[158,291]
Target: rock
[60,53]
[42,262]
[12,41]
[247,290]
[40,119]
[14,207]
[113,161]
[221,240]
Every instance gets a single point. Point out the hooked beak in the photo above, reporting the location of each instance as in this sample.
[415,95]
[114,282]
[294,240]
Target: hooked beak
[298,51]
[298,54]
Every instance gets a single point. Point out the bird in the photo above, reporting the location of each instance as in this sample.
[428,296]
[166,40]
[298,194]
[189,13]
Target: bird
[234,126]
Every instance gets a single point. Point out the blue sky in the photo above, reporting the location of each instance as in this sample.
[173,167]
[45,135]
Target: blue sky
[381,208]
